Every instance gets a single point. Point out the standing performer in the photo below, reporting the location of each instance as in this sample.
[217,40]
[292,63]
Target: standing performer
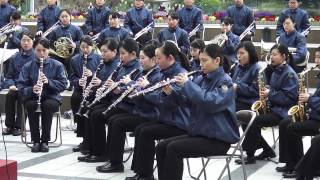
[138,18]
[47,17]
[292,130]
[40,83]
[300,17]
[276,100]
[245,76]
[97,18]
[175,34]
[6,10]
[13,99]
[212,126]
[82,67]
[173,112]
[190,17]
[242,17]
[293,39]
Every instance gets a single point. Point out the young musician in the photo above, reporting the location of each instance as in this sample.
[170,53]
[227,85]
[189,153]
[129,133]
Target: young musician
[138,18]
[15,39]
[291,133]
[130,67]
[172,119]
[300,17]
[110,63]
[47,17]
[196,47]
[293,39]
[82,67]
[97,18]
[245,76]
[280,96]
[231,40]
[114,30]
[142,111]
[212,126]
[41,79]
[242,17]
[66,29]
[6,10]
[189,18]
[16,63]
[174,33]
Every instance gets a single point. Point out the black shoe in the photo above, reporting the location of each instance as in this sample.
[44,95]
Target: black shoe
[300,177]
[16,132]
[84,151]
[146,178]
[109,168]
[44,147]
[266,155]
[81,158]
[135,177]
[93,159]
[77,148]
[35,147]
[247,160]
[7,131]
[283,169]
[290,174]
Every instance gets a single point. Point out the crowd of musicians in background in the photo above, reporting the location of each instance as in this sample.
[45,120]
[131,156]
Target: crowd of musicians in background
[173,89]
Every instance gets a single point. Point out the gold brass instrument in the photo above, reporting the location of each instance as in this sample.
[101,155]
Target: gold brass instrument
[219,39]
[260,106]
[159,85]
[143,31]
[297,112]
[40,83]
[87,91]
[63,48]
[246,31]
[126,93]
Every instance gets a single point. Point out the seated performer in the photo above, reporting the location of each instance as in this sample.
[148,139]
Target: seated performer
[97,18]
[196,47]
[40,83]
[47,17]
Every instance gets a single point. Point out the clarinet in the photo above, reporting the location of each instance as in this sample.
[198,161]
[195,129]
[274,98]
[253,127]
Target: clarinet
[84,68]
[101,89]
[159,85]
[87,91]
[40,83]
[126,93]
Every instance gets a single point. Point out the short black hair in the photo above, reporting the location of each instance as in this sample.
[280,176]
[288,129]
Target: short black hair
[174,15]
[16,16]
[64,10]
[249,47]
[114,14]
[198,43]
[130,45]
[288,17]
[214,51]
[43,41]
[87,39]
[27,33]
[111,44]
[318,49]
[227,21]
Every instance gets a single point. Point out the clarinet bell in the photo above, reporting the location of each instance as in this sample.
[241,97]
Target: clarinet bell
[86,114]
[38,110]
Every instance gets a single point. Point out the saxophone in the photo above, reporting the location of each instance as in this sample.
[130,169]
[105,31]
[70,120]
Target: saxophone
[260,106]
[297,112]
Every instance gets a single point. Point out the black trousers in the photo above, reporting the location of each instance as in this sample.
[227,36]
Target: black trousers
[290,137]
[76,99]
[48,107]
[98,123]
[144,149]
[117,127]
[13,105]
[309,165]
[170,153]
[254,140]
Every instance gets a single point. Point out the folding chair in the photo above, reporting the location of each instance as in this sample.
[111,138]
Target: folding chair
[243,117]
[57,132]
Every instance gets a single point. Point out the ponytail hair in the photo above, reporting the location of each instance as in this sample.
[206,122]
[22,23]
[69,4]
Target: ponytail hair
[283,50]
[171,48]
[214,51]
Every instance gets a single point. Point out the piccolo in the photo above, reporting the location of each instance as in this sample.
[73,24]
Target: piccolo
[159,85]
